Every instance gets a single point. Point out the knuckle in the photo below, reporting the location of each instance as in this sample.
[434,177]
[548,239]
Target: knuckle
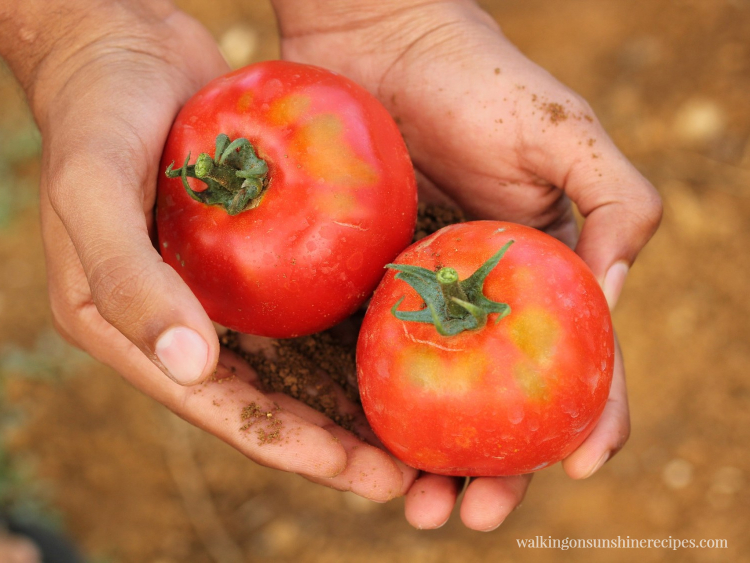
[623,428]
[67,304]
[624,435]
[579,104]
[646,209]
[579,108]
[119,290]
[653,208]
[61,326]
[622,439]
[72,168]
[63,177]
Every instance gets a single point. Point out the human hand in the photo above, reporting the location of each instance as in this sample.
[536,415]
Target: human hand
[505,140]
[18,549]
[104,93]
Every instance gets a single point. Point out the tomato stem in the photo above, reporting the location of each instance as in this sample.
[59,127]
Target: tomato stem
[235,177]
[451,288]
[451,305]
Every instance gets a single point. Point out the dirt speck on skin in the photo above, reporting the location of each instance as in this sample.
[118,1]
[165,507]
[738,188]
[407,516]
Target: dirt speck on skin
[220,380]
[556,112]
[270,431]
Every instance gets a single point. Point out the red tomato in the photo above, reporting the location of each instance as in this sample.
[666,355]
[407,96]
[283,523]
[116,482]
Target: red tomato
[298,249]
[518,389]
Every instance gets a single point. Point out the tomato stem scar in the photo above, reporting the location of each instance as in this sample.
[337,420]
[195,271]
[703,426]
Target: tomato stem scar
[235,177]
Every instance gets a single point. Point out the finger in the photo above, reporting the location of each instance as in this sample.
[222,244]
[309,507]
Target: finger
[488,500]
[70,294]
[229,406]
[610,433]
[563,227]
[622,210]
[370,472]
[430,501]
[100,201]
[18,549]
[66,284]
[68,289]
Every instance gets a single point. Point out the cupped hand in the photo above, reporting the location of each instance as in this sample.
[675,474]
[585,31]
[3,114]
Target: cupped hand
[104,99]
[505,140]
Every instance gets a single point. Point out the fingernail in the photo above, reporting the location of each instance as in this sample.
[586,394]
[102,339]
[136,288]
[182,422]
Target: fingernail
[598,465]
[443,524]
[183,353]
[614,280]
[492,529]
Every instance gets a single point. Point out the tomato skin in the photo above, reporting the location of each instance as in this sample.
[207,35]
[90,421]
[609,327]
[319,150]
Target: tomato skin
[340,203]
[506,399]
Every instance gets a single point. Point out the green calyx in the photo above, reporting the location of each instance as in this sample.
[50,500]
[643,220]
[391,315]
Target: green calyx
[451,305]
[235,176]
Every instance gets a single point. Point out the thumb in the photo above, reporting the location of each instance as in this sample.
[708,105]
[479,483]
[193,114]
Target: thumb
[101,204]
[622,210]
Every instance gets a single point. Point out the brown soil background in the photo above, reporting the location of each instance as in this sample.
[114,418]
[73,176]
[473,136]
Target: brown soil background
[670,81]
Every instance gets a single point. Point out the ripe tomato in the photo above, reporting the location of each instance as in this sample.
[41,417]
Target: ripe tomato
[311,192]
[515,382]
